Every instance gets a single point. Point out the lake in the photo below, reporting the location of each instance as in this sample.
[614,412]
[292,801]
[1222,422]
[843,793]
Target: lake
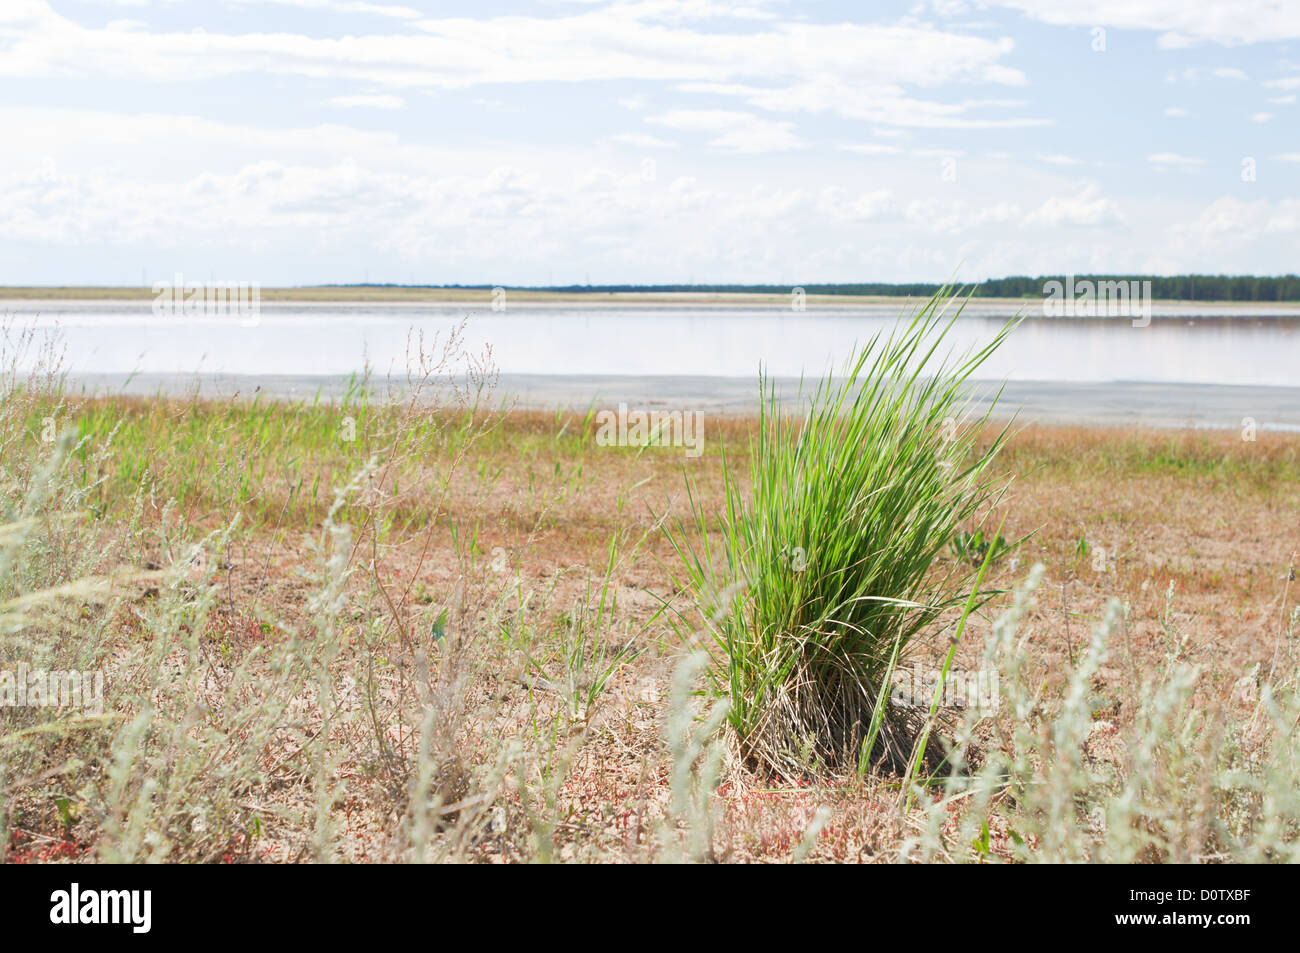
[1186,344]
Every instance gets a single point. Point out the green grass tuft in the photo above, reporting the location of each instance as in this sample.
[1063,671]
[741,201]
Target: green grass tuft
[828,567]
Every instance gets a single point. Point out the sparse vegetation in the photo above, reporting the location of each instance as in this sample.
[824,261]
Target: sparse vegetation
[446,639]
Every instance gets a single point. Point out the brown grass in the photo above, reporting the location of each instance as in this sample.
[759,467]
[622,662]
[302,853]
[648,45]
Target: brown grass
[1213,517]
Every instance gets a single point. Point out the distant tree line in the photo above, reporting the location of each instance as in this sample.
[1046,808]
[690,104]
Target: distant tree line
[1176,287]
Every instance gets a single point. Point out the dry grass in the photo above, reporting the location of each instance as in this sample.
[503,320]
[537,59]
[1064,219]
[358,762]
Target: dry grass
[383,740]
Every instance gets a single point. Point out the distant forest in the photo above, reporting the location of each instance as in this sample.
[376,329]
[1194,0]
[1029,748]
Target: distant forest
[1176,287]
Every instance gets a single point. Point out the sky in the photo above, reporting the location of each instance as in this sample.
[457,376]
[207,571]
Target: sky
[663,141]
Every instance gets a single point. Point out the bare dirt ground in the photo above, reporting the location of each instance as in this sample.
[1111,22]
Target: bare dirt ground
[1200,555]
[1195,533]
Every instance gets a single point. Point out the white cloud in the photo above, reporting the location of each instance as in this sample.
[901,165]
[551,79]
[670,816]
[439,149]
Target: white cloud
[1231,221]
[873,206]
[871,149]
[952,217]
[1180,23]
[493,213]
[340,6]
[1168,160]
[380,101]
[884,104]
[249,190]
[1058,159]
[1089,208]
[849,183]
[733,131]
[643,141]
[646,41]
[1261,117]
[169,147]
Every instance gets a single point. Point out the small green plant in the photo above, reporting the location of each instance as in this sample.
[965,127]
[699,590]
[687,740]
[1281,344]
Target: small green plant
[973,547]
[980,843]
[587,655]
[67,814]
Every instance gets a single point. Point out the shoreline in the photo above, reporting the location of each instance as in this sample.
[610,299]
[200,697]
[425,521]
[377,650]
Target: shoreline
[442,297]
[1108,404]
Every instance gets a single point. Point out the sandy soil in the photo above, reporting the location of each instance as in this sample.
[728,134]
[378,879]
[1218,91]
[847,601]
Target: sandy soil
[1196,532]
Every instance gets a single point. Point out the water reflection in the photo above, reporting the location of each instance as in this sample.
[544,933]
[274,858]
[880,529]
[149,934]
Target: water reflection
[1224,345]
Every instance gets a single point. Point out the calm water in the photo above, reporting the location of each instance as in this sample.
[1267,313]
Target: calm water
[1222,345]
